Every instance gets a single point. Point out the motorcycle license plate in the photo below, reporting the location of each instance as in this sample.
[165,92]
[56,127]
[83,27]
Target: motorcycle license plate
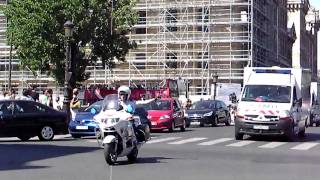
[153,123]
[260,127]
[82,127]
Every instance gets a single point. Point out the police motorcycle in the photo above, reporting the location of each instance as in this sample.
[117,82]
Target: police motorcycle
[116,134]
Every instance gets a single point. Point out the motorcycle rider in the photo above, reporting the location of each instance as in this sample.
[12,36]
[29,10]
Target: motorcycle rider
[128,105]
[124,93]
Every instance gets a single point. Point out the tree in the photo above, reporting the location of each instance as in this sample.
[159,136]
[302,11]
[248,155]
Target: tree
[38,33]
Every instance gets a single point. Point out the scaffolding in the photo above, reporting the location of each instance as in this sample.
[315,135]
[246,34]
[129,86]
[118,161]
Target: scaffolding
[192,39]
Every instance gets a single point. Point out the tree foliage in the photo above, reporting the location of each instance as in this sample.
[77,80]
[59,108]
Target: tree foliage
[38,33]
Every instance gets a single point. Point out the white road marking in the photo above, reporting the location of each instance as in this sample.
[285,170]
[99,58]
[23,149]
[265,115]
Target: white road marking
[188,140]
[241,143]
[162,140]
[217,141]
[304,146]
[272,145]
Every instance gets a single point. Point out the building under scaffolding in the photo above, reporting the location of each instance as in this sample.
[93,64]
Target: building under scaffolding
[191,40]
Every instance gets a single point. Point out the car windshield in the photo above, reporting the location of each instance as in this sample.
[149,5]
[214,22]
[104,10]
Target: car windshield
[97,105]
[161,105]
[267,93]
[203,105]
[147,106]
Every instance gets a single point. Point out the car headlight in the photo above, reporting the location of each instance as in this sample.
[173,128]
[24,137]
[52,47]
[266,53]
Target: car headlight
[165,117]
[208,114]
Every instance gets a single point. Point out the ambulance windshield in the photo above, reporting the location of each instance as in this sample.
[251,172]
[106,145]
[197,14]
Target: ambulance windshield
[267,93]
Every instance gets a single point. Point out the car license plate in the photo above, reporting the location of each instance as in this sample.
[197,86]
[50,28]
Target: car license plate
[82,127]
[195,123]
[153,123]
[260,127]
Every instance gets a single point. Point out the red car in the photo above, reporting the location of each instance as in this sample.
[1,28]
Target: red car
[166,113]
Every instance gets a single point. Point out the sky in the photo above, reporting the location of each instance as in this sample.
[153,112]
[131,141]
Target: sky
[315,3]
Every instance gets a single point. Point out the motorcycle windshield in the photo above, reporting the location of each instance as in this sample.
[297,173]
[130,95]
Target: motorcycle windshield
[111,102]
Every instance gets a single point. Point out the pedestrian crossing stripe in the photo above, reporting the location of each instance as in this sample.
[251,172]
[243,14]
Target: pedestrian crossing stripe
[216,141]
[272,145]
[162,140]
[241,143]
[304,146]
[188,140]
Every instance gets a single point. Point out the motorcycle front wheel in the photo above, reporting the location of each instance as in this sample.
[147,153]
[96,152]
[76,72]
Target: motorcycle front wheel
[110,154]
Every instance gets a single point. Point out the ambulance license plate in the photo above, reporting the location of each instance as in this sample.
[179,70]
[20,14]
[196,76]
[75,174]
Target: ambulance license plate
[260,127]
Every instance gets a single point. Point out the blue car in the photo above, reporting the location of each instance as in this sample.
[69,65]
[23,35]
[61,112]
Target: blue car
[83,123]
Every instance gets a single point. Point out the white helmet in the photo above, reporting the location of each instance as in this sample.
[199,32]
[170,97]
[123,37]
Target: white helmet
[124,90]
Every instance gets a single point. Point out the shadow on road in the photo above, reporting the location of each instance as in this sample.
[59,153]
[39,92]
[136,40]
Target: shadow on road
[17,156]
[143,160]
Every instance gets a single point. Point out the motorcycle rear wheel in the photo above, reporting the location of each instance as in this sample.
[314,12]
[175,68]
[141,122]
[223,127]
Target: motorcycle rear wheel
[132,157]
[110,154]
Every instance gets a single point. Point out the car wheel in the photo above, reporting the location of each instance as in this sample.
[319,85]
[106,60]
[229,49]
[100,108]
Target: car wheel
[171,129]
[24,138]
[311,122]
[46,133]
[76,136]
[290,135]
[317,124]
[183,127]
[238,135]
[302,133]
[201,124]
[215,121]
[228,120]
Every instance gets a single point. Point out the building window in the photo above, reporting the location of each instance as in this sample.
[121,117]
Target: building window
[172,29]
[171,60]
[141,31]
[171,16]
[142,17]
[140,57]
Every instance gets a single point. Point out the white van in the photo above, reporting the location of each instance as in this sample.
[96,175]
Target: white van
[274,101]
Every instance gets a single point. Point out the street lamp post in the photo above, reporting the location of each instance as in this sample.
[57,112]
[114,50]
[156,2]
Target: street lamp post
[68,32]
[214,81]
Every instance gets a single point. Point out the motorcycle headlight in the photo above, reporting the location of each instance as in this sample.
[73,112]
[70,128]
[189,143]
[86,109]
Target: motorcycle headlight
[186,115]
[208,114]
[110,120]
[165,117]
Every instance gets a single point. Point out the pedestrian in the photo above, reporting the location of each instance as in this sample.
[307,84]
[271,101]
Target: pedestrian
[75,103]
[26,95]
[57,105]
[12,94]
[34,94]
[47,99]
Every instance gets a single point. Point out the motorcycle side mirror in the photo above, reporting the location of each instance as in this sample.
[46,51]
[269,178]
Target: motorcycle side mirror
[93,111]
[129,109]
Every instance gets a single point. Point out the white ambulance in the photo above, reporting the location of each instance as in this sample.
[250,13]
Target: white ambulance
[274,101]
